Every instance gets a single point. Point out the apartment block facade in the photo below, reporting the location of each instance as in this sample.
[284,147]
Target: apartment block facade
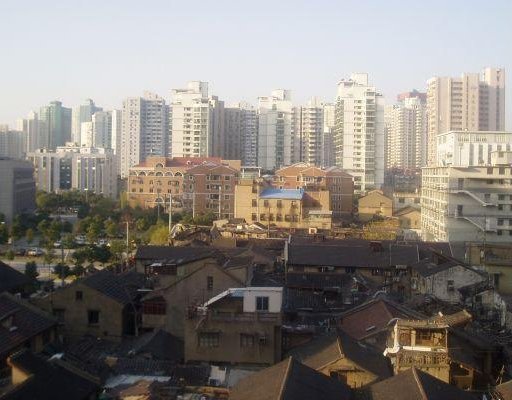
[309,132]
[465,148]
[472,102]
[18,188]
[144,130]
[406,133]
[337,182]
[468,203]
[359,132]
[275,130]
[155,180]
[196,123]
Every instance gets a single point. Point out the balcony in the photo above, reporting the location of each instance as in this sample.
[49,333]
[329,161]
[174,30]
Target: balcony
[422,359]
[221,316]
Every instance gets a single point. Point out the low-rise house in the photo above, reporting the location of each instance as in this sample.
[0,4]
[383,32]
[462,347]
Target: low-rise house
[23,326]
[12,281]
[239,326]
[33,377]
[374,204]
[342,357]
[442,277]
[409,217]
[369,322]
[164,265]
[289,380]
[415,384]
[104,304]
[167,307]
[502,391]
[282,208]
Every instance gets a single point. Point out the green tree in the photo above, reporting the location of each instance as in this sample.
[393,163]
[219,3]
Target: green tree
[93,232]
[61,270]
[159,235]
[78,270]
[31,270]
[16,230]
[49,256]
[141,224]
[68,241]
[117,248]
[111,228]
[29,235]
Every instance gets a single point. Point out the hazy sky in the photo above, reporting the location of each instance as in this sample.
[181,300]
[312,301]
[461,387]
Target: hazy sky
[108,49]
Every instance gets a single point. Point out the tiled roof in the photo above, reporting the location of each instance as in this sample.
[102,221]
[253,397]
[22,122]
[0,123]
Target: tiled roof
[284,194]
[360,255]
[325,350]
[119,287]
[372,316]
[414,384]
[10,279]
[48,380]
[173,255]
[27,322]
[289,380]
[159,345]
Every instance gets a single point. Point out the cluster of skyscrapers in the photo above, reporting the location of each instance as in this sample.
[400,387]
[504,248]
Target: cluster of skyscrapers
[356,131]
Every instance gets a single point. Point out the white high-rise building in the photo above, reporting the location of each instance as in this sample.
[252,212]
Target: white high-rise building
[80,114]
[116,118]
[309,132]
[328,159]
[406,134]
[144,130]
[472,102]
[102,129]
[466,148]
[359,133]
[463,204]
[196,127]
[33,128]
[74,167]
[275,130]
[248,134]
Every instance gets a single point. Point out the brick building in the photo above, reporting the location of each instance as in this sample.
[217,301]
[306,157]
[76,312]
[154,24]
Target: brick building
[337,182]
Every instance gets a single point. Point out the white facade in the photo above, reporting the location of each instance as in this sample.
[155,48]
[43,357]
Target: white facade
[470,148]
[32,127]
[52,170]
[251,296]
[359,133]
[80,114]
[94,170]
[275,130]
[196,123]
[328,158]
[144,130]
[310,132]
[406,134]
[472,102]
[248,134]
[468,203]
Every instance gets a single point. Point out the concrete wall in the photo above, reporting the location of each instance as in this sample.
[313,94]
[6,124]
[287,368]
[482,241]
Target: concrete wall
[111,318]
[349,373]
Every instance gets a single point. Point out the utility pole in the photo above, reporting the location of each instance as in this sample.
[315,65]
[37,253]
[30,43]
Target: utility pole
[193,205]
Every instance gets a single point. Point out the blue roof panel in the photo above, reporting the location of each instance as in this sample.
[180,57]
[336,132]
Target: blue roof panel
[285,194]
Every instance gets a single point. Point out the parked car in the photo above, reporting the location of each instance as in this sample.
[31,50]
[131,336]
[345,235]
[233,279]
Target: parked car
[102,242]
[35,252]
[57,244]
[80,240]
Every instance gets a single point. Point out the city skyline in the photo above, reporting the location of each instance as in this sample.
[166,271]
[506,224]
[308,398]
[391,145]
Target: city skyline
[388,42]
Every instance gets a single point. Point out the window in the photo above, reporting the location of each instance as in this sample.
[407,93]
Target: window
[450,285]
[93,317]
[500,221]
[209,339]
[246,340]
[401,200]
[262,303]
[254,203]
[423,337]
[254,217]
[209,282]
[79,295]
